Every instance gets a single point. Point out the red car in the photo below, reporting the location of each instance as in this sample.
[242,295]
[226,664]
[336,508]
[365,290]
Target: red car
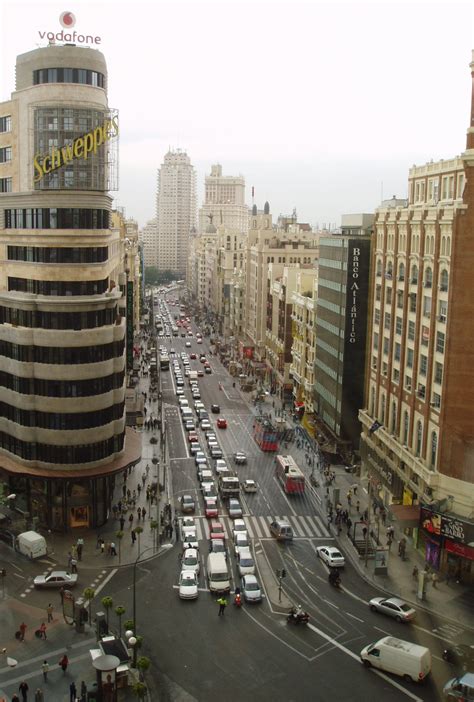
[222,423]
[193,356]
[192,436]
[210,507]
[216,530]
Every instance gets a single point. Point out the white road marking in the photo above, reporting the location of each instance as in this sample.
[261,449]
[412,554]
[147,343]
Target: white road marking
[352,616]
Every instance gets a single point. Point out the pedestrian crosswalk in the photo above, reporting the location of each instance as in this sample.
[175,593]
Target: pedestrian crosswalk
[258,527]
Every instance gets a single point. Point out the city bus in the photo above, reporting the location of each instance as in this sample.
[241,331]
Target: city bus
[265,434]
[290,475]
[164,361]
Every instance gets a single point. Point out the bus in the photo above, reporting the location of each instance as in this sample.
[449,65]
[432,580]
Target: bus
[290,475]
[164,361]
[265,434]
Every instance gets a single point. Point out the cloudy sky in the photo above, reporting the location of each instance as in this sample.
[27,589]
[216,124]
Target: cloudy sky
[322,106]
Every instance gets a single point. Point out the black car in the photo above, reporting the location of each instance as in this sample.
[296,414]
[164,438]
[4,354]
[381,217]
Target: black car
[215,409]
[460,655]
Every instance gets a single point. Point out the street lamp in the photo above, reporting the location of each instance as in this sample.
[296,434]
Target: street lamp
[132,641]
[134,615]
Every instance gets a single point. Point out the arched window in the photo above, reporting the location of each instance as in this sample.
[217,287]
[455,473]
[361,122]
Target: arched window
[443,246]
[394,417]
[428,278]
[382,409]
[389,269]
[405,428]
[379,269]
[434,448]
[372,402]
[419,437]
[401,271]
[444,280]
[414,274]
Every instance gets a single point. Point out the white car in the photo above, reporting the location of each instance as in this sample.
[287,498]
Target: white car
[188,522]
[251,589]
[249,485]
[331,556]
[221,466]
[205,424]
[57,578]
[245,562]
[241,541]
[188,585]
[190,560]
[188,535]
[239,525]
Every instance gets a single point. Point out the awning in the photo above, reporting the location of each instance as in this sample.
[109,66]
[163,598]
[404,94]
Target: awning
[299,404]
[407,515]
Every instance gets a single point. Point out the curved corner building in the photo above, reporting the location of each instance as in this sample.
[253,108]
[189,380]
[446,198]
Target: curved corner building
[62,319]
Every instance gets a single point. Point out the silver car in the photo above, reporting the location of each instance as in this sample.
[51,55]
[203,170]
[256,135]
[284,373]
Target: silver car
[393,607]
[251,589]
[57,578]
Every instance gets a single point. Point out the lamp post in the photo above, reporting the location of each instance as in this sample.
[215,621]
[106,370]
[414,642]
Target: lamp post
[132,641]
[134,615]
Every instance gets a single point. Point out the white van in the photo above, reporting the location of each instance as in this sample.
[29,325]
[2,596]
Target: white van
[186,413]
[217,573]
[32,544]
[411,661]
[193,375]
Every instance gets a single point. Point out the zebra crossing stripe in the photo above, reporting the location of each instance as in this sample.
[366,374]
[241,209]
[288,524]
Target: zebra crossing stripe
[304,526]
[248,524]
[307,529]
[323,531]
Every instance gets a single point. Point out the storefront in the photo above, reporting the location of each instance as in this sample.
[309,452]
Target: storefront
[448,543]
[386,485]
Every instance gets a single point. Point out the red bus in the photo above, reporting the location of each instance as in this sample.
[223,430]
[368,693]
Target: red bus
[290,475]
[265,434]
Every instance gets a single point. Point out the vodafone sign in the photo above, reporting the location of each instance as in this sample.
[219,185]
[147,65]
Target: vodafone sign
[67,20]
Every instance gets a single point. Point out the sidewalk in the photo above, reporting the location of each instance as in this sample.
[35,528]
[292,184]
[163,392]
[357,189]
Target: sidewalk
[456,601]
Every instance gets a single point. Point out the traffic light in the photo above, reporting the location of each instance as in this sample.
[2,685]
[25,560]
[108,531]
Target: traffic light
[283,573]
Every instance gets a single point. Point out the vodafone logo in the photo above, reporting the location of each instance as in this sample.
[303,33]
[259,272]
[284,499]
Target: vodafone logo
[67,19]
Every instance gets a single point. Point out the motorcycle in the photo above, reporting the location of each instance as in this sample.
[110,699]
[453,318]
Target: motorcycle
[297,616]
[460,655]
[335,579]
[237,600]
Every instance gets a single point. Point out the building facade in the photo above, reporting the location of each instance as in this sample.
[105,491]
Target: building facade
[304,300]
[418,424]
[224,201]
[63,293]
[176,211]
[149,241]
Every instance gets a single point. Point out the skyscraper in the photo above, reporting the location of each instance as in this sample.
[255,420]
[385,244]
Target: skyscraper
[176,210]
[62,290]
[224,200]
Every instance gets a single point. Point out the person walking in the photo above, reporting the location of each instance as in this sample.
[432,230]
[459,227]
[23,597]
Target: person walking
[134,536]
[64,662]
[80,546]
[358,507]
[354,489]
[414,573]
[113,550]
[348,524]
[45,670]
[42,631]
[22,631]
[139,513]
[143,513]
[130,520]
[72,692]
[49,612]
[39,696]
[73,565]
[23,688]
[222,602]
[69,560]
[122,522]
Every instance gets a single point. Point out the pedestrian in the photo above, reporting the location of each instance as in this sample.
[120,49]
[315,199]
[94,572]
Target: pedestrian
[349,524]
[134,495]
[222,602]
[73,566]
[49,612]
[434,580]
[364,532]
[23,688]
[69,559]
[124,490]
[45,670]
[22,631]
[147,469]
[74,551]
[83,697]
[414,573]
[144,476]
[358,507]
[72,692]
[143,513]
[39,696]
[102,546]
[139,489]
[130,520]
[129,494]
[139,513]
[64,662]
[42,631]
[15,698]
[134,536]
[122,523]
[366,515]
[113,551]
[80,546]
[354,489]
[389,542]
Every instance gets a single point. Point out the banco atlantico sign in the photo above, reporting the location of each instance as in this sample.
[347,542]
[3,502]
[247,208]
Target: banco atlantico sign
[81,148]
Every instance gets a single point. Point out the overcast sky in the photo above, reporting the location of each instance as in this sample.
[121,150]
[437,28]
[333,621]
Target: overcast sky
[322,106]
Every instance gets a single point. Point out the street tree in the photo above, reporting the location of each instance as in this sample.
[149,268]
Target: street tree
[120,611]
[107,604]
[138,532]
[89,594]
[154,527]
[119,536]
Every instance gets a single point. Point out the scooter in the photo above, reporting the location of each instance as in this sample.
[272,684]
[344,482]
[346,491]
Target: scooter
[335,579]
[297,616]
[237,599]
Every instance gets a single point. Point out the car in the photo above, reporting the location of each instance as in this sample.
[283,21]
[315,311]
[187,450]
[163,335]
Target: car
[200,457]
[393,607]
[179,382]
[188,585]
[217,546]
[240,458]
[188,344]
[210,507]
[192,356]
[331,556]
[199,340]
[56,578]
[190,560]
[179,392]
[216,530]
[222,423]
[196,395]
[212,443]
[200,373]
[461,656]
[195,447]
[221,466]
[239,525]
[251,590]
[205,424]
[215,409]
[187,503]
[216,451]
[190,424]
[188,522]
[249,485]
[209,433]
[234,508]
[207,370]
[198,405]
[245,562]
[241,541]
[202,358]
[183,402]
[192,437]
[208,488]
[186,372]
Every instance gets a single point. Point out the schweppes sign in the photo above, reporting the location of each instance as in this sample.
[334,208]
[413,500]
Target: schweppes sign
[82,147]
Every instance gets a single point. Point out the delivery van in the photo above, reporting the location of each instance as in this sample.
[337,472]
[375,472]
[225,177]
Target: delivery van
[461,688]
[31,544]
[411,661]
[217,573]
[193,375]
[281,530]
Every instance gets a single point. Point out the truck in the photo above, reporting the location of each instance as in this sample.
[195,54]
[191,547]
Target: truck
[193,375]
[31,544]
[409,660]
[229,486]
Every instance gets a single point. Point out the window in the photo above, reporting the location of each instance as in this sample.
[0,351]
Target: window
[423,365]
[414,275]
[398,351]
[401,271]
[386,345]
[433,448]
[419,437]
[438,373]
[428,278]
[426,306]
[421,391]
[5,154]
[394,417]
[396,375]
[412,306]
[388,296]
[405,428]
[379,269]
[398,325]
[376,316]
[5,185]
[382,409]
[444,279]
[378,292]
[440,342]
[409,358]
[5,124]
[387,320]
[376,342]
[436,400]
